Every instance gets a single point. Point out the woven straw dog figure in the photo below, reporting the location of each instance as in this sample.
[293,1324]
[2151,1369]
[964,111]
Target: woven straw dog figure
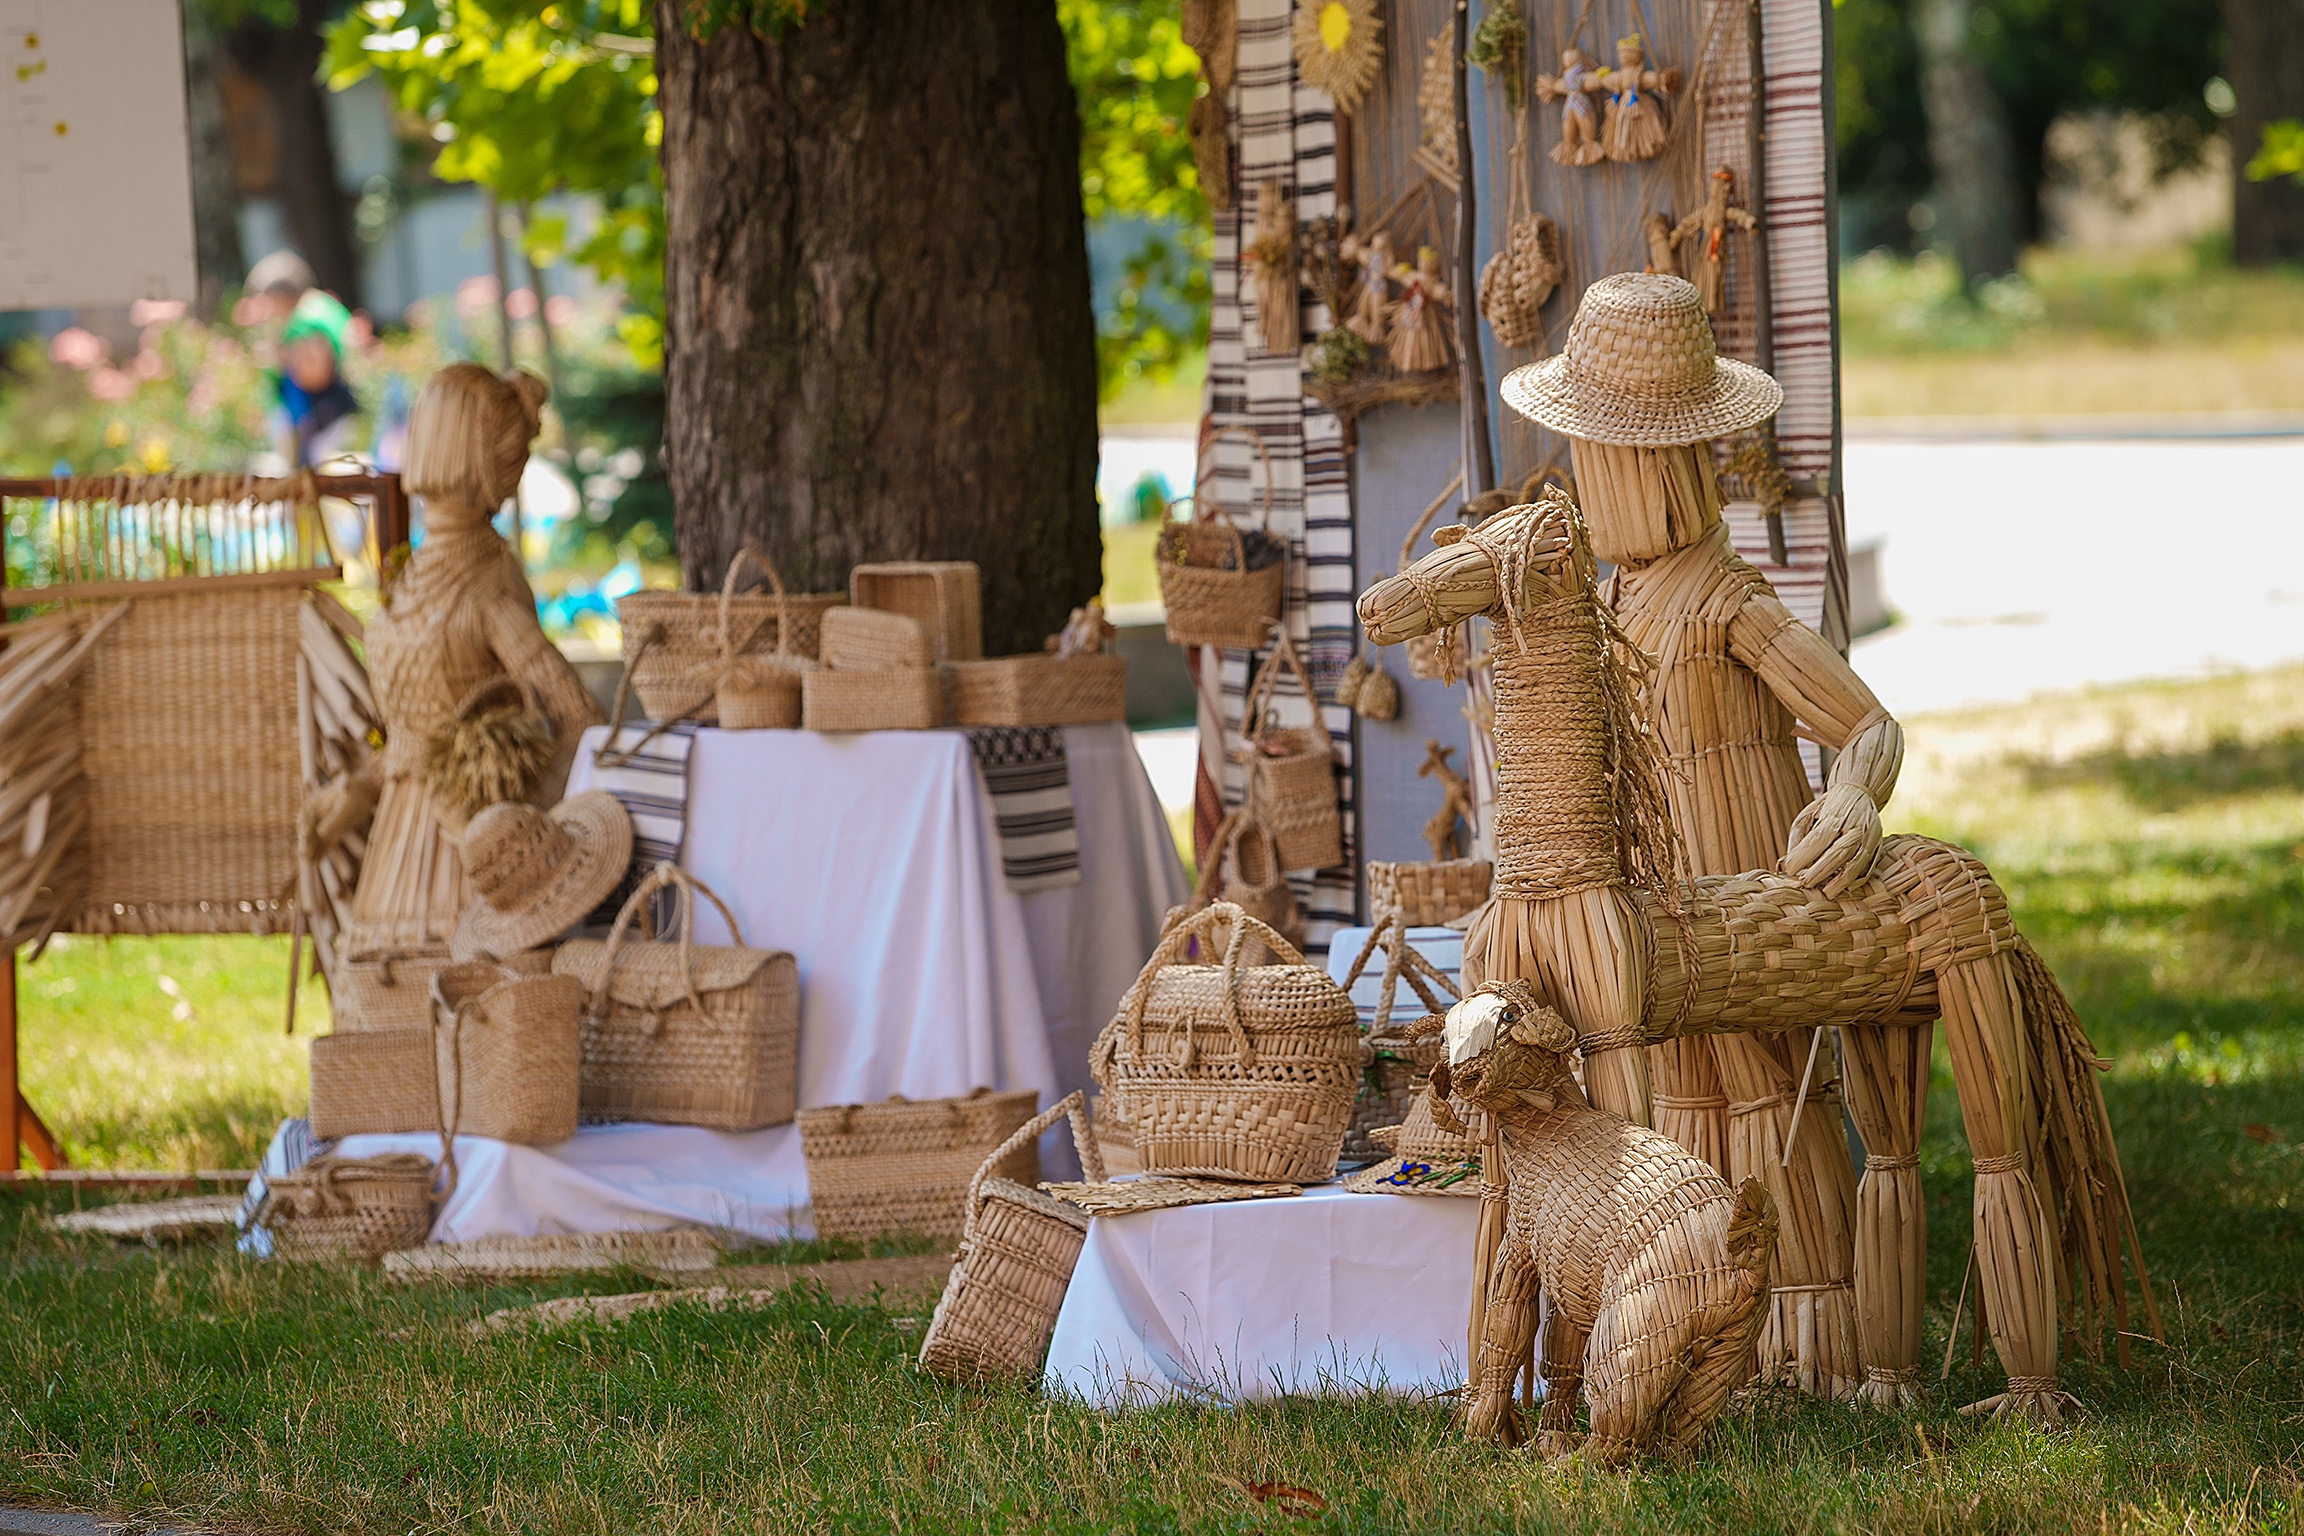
[1657,1270]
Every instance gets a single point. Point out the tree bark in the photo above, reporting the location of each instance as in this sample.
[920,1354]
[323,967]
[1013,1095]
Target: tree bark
[315,207]
[2266,71]
[215,191]
[879,341]
[1977,200]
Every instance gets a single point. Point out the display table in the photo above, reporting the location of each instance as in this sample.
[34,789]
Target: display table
[1327,1292]
[874,859]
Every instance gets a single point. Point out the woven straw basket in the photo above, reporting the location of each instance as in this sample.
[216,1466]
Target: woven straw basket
[354,1207]
[941,595]
[1243,868]
[1292,772]
[373,1082]
[906,699]
[1017,1249]
[1039,690]
[1234,1071]
[508,1059]
[391,993]
[905,1165]
[1210,595]
[677,671]
[683,1033]
[869,640]
[1425,895]
[759,693]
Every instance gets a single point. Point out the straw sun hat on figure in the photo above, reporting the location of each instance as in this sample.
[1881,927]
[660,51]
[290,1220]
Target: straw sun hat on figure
[1640,391]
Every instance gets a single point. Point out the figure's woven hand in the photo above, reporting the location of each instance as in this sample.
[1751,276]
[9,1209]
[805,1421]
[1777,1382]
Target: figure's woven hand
[330,814]
[1834,840]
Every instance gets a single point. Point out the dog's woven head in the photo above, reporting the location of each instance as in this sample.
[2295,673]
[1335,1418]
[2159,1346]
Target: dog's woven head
[1507,1052]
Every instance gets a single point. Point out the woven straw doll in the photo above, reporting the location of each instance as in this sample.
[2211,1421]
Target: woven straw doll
[1638,391]
[460,614]
[1574,87]
[1419,339]
[1635,127]
[1708,227]
[1371,316]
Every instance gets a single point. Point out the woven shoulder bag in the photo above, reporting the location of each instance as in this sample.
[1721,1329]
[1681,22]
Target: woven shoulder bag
[1015,1261]
[1292,771]
[1233,1071]
[1218,586]
[682,1033]
[507,1062]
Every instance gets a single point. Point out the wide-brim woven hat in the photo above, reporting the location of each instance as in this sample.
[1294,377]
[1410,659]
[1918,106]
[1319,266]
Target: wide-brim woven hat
[538,872]
[1426,1160]
[1641,371]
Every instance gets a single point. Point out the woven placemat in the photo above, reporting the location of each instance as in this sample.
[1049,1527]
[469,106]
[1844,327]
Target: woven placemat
[156,1221]
[1134,1195]
[681,1251]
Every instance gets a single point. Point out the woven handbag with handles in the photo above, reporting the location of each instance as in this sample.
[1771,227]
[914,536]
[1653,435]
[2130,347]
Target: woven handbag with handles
[1233,1071]
[1292,771]
[1243,867]
[508,1058]
[756,692]
[1391,1065]
[1017,1249]
[677,673]
[682,1033]
[904,1165]
[1219,588]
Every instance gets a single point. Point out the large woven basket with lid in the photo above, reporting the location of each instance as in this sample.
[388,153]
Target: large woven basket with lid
[1233,1071]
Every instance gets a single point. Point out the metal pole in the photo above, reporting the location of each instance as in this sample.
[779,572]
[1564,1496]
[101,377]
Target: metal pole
[1472,385]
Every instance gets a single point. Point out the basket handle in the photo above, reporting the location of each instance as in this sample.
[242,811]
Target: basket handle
[1073,1106]
[1264,456]
[480,692]
[664,874]
[608,754]
[728,651]
[1252,725]
[1228,832]
[1203,924]
[448,1127]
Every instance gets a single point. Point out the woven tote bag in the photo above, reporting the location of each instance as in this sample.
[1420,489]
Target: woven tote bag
[355,1207]
[755,692]
[905,1165]
[1212,592]
[1233,1071]
[1017,1250]
[1292,771]
[507,1054]
[373,1082]
[682,1033]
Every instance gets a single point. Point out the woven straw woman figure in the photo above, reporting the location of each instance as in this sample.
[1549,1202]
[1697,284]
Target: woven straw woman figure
[460,613]
[1734,672]
[1419,340]
[1634,127]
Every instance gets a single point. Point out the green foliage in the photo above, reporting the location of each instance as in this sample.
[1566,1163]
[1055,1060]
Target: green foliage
[1500,46]
[2280,154]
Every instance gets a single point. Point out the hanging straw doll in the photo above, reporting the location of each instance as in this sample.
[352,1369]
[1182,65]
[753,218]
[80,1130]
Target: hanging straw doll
[1634,127]
[1709,227]
[1574,87]
[1419,339]
[1371,315]
[1272,257]
[1656,231]
[460,615]
[1638,393]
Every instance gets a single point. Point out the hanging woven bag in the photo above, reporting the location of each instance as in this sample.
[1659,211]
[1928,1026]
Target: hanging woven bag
[1220,587]
[1233,1071]
[496,747]
[1244,869]
[1518,279]
[682,1033]
[755,692]
[1292,771]
[1016,1254]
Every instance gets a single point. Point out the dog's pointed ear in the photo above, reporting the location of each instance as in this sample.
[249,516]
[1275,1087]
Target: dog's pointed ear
[1443,1082]
[1426,1027]
[1545,1030]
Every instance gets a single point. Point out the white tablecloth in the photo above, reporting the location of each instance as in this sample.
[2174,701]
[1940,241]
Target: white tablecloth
[874,860]
[1330,1291]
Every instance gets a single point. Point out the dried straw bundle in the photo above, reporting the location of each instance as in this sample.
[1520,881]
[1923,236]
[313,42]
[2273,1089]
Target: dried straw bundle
[497,746]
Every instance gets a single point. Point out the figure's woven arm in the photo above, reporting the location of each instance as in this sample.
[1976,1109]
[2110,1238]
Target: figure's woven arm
[519,643]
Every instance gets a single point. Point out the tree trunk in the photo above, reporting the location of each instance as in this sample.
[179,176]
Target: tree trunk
[2266,70]
[1977,200]
[314,206]
[215,191]
[879,343]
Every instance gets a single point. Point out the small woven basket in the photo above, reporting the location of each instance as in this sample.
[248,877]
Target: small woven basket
[1210,594]
[373,1082]
[870,640]
[683,1033]
[1395,1070]
[905,1165]
[1425,895]
[940,594]
[1254,1068]
[676,677]
[755,692]
[1039,690]
[1243,868]
[909,699]
[1017,1250]
[508,1060]
[392,992]
[354,1207]
[1292,771]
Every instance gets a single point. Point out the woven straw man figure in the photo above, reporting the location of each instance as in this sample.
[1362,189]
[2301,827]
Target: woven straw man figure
[1574,87]
[459,614]
[1708,227]
[1639,392]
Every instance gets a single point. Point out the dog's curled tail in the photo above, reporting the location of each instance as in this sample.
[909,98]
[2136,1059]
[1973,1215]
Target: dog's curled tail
[1752,1231]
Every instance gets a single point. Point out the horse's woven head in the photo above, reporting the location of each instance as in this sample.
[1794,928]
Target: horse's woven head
[1507,1052]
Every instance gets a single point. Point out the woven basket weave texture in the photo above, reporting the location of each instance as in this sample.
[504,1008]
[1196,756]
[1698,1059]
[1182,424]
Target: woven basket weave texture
[870,640]
[350,1207]
[677,674]
[1039,690]
[507,1052]
[907,699]
[1427,894]
[942,595]
[905,1165]
[373,1082]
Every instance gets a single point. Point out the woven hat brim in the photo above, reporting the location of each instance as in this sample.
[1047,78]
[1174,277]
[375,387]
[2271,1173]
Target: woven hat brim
[599,826]
[1379,1178]
[1740,396]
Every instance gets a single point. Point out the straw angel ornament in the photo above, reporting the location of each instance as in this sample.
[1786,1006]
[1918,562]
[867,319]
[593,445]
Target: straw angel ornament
[1419,336]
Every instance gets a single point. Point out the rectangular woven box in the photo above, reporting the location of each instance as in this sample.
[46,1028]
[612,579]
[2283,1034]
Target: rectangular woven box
[374,1082]
[941,594]
[1039,690]
[904,1165]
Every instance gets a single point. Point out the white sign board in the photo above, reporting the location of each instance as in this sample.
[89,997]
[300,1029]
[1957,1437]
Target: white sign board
[95,164]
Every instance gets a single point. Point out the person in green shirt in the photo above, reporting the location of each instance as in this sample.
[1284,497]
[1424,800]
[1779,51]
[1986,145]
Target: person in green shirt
[313,405]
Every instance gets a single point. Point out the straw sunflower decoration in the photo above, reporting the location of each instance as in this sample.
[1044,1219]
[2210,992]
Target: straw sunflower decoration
[1339,45]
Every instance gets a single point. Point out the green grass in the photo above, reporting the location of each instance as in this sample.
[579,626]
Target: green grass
[1128,573]
[2152,842]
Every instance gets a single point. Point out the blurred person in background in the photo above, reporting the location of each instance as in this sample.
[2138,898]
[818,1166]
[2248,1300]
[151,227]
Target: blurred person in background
[314,407]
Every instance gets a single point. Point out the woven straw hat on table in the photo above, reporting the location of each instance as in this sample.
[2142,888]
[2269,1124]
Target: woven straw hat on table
[1640,371]
[1426,1160]
[536,873]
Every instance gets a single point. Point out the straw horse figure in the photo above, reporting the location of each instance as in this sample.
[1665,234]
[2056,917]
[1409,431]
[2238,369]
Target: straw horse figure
[1455,801]
[1590,909]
